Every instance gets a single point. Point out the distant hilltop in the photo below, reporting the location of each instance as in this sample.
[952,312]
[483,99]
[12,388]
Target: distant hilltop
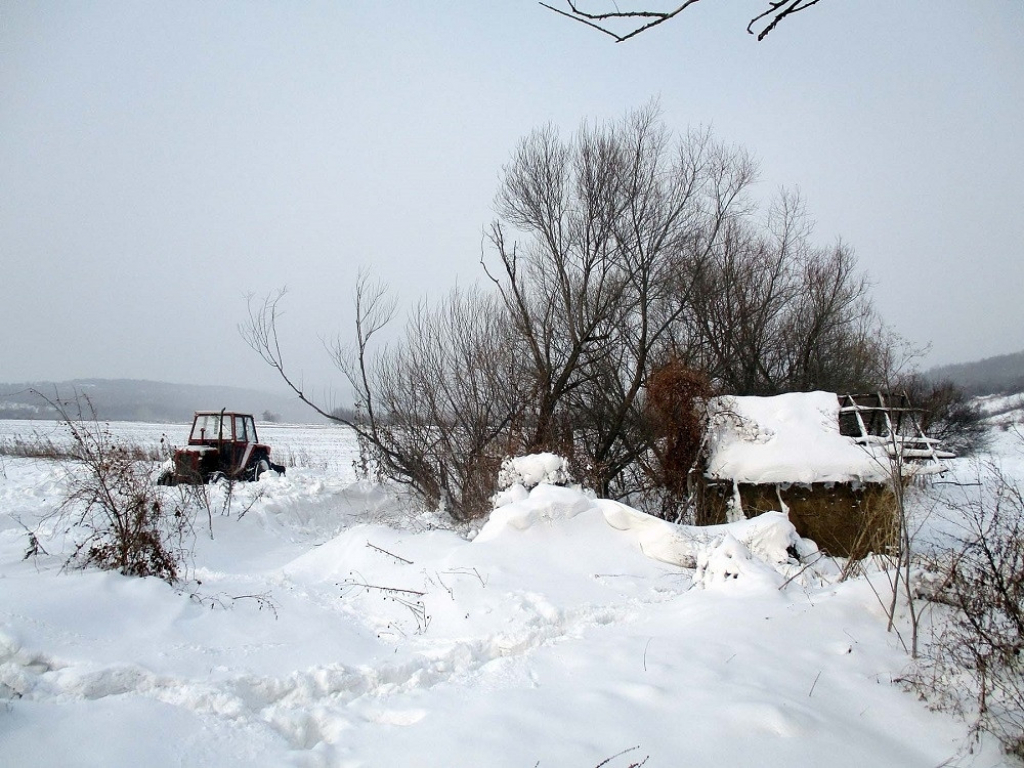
[1003,374]
[153,401]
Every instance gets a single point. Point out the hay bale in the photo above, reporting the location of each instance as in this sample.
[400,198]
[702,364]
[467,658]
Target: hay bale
[844,519]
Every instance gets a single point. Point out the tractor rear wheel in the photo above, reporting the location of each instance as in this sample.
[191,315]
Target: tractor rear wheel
[261,466]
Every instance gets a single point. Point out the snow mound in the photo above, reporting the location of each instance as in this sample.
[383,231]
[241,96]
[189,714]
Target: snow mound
[545,504]
[657,538]
[732,564]
[770,537]
[519,474]
[769,541]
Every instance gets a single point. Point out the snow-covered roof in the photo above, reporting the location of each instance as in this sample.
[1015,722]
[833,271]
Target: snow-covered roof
[790,438]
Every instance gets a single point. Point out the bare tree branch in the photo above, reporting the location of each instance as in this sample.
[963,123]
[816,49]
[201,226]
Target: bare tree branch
[781,9]
[643,19]
[592,19]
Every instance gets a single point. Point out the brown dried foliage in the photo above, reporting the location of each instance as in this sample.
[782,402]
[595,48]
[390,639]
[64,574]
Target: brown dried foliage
[675,394]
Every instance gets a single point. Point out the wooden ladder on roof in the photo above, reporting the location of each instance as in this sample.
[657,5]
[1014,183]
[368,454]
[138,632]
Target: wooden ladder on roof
[877,419]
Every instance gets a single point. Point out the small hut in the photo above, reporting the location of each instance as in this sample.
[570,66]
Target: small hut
[829,461]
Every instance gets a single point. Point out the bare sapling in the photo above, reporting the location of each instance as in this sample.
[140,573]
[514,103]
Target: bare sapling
[893,533]
[112,510]
[973,663]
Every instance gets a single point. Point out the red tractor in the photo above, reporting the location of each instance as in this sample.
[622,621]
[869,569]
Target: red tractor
[221,444]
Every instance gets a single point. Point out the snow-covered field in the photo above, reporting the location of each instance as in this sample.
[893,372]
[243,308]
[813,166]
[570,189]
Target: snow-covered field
[329,448]
[331,625]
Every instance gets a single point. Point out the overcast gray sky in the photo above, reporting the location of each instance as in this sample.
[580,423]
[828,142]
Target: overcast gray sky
[161,160]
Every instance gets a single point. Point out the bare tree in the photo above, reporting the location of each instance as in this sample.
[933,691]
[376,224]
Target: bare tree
[611,224]
[443,404]
[773,313]
[436,411]
[632,22]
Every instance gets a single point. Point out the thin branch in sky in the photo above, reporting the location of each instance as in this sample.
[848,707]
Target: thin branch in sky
[646,18]
[787,7]
[593,19]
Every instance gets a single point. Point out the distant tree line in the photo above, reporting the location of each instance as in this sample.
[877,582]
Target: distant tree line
[630,272]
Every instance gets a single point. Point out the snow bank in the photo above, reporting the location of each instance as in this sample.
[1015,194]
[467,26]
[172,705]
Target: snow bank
[731,564]
[544,504]
[790,438]
[768,539]
[320,636]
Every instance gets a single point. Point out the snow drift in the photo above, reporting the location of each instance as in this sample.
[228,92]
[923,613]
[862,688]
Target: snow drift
[332,626]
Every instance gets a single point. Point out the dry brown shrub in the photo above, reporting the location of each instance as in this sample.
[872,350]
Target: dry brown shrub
[675,395]
[115,513]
